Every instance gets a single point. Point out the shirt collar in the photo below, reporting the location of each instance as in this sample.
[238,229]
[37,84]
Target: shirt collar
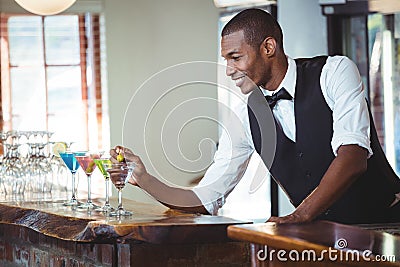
[288,82]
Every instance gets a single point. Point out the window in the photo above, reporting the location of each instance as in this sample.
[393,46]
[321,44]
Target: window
[51,77]
[384,70]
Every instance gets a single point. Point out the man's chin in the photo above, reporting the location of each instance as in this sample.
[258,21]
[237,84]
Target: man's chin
[247,88]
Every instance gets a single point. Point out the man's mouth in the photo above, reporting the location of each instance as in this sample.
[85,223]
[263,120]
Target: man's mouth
[239,81]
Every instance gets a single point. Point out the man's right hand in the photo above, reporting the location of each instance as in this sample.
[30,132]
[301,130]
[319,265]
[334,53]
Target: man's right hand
[172,197]
[139,171]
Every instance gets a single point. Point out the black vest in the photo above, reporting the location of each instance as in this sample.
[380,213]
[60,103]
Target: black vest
[299,166]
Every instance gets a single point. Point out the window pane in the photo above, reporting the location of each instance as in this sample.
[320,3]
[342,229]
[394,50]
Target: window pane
[26,39]
[62,40]
[28,98]
[65,106]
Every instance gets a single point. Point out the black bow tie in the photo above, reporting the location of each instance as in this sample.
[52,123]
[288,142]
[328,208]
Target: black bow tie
[281,94]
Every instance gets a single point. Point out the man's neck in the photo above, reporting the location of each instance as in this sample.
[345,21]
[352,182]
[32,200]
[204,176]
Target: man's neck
[278,71]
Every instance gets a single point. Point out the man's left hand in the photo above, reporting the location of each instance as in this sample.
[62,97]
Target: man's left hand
[291,218]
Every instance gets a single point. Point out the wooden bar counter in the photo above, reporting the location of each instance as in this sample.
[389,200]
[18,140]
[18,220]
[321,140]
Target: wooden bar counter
[320,243]
[46,233]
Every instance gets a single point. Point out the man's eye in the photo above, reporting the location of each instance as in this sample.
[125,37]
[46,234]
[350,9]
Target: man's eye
[235,58]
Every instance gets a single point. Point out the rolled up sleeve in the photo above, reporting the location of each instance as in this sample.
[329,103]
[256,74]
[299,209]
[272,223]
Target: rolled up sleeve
[230,162]
[347,99]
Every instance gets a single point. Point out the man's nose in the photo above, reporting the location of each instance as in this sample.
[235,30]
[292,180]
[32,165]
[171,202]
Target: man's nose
[229,70]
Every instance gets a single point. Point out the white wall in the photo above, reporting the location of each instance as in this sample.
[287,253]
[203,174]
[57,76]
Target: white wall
[142,38]
[304,35]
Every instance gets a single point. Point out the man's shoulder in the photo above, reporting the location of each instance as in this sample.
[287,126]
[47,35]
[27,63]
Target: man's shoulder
[305,61]
[318,57]
[339,62]
[328,62]
[328,58]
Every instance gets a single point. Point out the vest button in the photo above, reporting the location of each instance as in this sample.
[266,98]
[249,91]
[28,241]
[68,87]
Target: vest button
[308,174]
[327,212]
[301,154]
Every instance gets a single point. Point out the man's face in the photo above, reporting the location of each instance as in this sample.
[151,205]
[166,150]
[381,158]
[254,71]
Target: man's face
[243,61]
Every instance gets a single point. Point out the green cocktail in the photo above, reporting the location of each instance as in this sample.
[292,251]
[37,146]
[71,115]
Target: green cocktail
[104,164]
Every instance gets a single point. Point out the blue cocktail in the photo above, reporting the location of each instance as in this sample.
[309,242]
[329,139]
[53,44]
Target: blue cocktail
[73,165]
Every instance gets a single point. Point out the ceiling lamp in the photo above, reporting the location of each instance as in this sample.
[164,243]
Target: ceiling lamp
[45,7]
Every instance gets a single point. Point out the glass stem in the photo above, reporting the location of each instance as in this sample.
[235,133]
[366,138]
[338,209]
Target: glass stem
[73,187]
[120,200]
[4,147]
[89,196]
[107,193]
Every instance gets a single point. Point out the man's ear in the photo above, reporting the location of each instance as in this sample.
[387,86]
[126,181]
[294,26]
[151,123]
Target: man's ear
[268,47]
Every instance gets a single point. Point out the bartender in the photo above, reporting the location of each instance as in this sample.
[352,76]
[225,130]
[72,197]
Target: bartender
[328,159]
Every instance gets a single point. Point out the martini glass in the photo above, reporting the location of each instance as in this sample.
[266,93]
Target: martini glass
[86,160]
[105,164]
[120,174]
[72,164]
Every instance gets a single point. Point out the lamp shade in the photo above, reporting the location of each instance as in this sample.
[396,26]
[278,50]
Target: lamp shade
[45,7]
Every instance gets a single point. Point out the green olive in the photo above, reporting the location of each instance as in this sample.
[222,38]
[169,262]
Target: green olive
[120,158]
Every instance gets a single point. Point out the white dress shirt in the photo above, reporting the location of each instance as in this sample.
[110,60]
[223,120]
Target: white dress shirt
[342,89]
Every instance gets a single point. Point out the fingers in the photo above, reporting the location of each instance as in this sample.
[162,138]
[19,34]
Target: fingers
[126,152]
[132,181]
[290,218]
[113,155]
[129,156]
[120,150]
[273,219]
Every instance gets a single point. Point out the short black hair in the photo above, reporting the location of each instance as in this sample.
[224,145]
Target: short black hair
[257,25]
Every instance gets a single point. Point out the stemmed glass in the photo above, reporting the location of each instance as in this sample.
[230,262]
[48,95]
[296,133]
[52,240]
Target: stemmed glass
[86,160]
[105,164]
[73,165]
[120,174]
